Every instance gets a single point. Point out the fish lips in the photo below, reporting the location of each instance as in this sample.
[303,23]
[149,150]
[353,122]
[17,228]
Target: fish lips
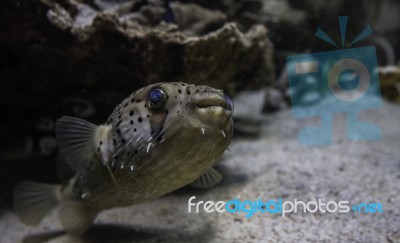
[213,108]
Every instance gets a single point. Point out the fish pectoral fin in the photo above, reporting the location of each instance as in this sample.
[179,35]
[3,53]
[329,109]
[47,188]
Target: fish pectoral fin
[32,201]
[76,140]
[76,218]
[207,180]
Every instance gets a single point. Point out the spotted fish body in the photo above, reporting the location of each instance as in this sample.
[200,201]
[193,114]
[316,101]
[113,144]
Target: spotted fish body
[160,138]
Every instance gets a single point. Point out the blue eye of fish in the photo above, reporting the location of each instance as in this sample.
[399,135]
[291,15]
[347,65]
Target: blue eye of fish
[156,98]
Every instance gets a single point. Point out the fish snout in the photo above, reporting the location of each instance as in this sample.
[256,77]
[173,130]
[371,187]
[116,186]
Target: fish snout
[213,108]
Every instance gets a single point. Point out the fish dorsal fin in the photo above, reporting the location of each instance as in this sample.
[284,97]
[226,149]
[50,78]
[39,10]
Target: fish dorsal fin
[76,140]
[207,180]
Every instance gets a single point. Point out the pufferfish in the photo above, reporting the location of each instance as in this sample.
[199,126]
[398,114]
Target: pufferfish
[160,138]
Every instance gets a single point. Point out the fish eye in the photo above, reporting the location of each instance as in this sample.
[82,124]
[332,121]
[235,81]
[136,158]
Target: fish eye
[156,98]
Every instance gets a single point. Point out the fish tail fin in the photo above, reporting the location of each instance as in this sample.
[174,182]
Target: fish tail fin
[76,218]
[33,201]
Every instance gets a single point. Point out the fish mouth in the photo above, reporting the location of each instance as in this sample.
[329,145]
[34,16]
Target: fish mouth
[214,101]
[213,109]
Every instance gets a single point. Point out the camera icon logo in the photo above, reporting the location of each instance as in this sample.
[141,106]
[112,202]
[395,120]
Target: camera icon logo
[324,83]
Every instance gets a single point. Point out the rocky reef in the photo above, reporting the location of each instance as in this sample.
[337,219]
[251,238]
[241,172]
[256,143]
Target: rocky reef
[80,58]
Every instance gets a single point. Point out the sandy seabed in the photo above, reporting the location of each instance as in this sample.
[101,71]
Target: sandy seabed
[272,166]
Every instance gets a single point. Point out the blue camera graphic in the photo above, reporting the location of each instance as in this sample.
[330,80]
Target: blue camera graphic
[322,84]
